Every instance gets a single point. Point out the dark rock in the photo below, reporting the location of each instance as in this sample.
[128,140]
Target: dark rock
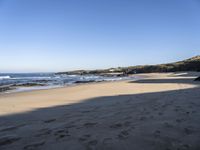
[5,88]
[197,79]
[29,84]
[85,81]
[42,81]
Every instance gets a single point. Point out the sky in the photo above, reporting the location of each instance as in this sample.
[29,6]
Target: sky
[62,35]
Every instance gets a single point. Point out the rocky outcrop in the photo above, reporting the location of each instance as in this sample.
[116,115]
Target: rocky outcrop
[5,88]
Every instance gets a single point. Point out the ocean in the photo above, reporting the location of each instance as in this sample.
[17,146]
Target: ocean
[16,82]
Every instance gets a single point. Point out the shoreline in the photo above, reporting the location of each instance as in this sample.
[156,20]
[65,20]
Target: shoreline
[137,77]
[57,87]
[134,77]
[14,88]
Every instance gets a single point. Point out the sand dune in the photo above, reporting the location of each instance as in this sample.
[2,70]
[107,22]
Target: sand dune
[160,112]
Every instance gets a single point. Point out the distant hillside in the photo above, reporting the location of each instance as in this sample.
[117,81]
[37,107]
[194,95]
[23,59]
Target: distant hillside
[192,64]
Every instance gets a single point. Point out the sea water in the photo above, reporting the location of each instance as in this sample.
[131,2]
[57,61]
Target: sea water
[34,81]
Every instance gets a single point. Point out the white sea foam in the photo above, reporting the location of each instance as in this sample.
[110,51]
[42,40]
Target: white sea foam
[36,78]
[4,77]
[51,80]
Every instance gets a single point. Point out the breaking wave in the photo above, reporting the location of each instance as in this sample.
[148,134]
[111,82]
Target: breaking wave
[4,77]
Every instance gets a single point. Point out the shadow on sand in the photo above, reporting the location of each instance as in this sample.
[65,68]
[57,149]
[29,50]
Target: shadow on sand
[152,121]
[159,81]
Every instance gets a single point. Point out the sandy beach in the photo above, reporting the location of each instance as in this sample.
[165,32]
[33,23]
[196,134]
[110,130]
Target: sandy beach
[159,112]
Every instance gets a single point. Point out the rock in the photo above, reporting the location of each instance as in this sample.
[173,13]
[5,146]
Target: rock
[5,88]
[85,81]
[29,84]
[197,79]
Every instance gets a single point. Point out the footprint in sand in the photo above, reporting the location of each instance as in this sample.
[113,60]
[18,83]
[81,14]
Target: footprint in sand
[117,125]
[144,109]
[84,137]
[143,118]
[147,113]
[155,108]
[166,105]
[123,134]
[61,134]
[193,112]
[85,111]
[43,132]
[90,124]
[8,139]
[127,123]
[176,110]
[128,118]
[180,120]
[151,116]
[157,133]
[168,125]
[107,140]
[90,110]
[120,125]
[93,142]
[69,126]
[9,128]
[34,145]
[49,121]
[187,112]
[186,146]
[188,131]
[190,106]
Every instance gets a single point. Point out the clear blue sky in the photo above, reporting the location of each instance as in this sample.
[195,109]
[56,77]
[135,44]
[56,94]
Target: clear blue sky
[59,35]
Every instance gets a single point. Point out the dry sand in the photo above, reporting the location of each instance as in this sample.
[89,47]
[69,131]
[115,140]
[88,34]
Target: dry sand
[161,112]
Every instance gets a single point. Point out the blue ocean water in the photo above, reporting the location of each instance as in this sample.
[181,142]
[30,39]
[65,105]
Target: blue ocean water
[32,81]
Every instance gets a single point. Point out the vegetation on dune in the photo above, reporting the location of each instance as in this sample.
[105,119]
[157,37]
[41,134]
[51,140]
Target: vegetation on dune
[192,64]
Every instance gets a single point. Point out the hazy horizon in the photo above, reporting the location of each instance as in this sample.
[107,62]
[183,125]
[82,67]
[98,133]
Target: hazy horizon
[56,36]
